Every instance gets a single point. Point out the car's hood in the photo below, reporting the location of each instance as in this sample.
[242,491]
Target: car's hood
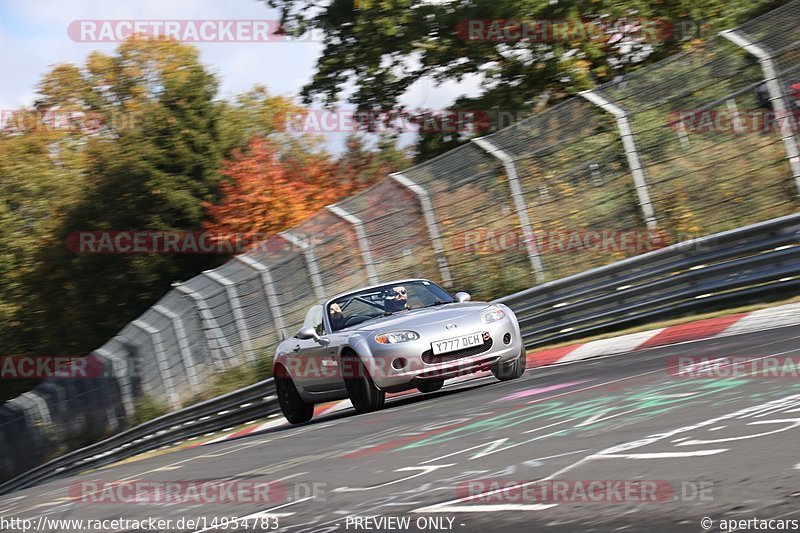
[417,317]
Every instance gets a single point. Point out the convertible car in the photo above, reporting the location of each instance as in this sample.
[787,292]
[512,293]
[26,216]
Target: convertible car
[389,338]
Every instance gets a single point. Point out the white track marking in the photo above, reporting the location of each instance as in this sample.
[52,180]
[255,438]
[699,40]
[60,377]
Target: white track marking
[593,418]
[661,436]
[485,508]
[423,470]
[454,505]
[492,445]
[666,455]
[793,423]
[538,459]
[614,345]
[565,361]
[534,430]
[773,317]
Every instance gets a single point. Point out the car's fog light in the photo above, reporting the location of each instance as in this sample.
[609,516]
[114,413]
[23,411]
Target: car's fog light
[399,363]
[507,338]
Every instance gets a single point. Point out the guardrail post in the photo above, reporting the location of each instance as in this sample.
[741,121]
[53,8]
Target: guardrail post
[528,235]
[784,118]
[269,291]
[311,261]
[161,358]
[363,242]
[42,407]
[236,309]
[183,346]
[430,221]
[122,372]
[211,329]
[631,153]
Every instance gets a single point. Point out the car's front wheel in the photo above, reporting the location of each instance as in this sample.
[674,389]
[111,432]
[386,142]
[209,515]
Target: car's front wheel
[512,370]
[363,393]
[430,386]
[294,408]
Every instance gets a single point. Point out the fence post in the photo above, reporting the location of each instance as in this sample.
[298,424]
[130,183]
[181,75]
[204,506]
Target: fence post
[631,152]
[311,261]
[269,291]
[122,371]
[236,309]
[784,118]
[211,329]
[42,407]
[363,242]
[430,222]
[161,358]
[528,236]
[183,346]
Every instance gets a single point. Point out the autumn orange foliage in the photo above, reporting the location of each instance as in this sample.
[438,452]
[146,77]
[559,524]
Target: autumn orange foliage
[264,191]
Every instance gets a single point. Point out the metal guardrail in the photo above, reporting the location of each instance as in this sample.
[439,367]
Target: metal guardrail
[238,407]
[750,262]
[557,172]
[746,263]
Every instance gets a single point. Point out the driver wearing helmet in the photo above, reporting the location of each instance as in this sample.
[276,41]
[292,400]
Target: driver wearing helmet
[396,300]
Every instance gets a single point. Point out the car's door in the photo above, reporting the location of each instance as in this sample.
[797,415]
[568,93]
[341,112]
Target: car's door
[314,362]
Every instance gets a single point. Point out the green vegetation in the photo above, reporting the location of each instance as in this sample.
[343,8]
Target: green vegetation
[166,153]
[145,408]
[370,43]
[150,149]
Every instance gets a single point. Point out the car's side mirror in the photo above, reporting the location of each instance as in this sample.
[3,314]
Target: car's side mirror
[307,333]
[462,296]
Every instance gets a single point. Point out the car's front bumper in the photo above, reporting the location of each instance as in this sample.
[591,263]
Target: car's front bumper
[388,377]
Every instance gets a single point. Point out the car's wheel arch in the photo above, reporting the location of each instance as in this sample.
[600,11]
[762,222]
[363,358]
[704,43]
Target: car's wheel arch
[281,370]
[356,345]
[346,350]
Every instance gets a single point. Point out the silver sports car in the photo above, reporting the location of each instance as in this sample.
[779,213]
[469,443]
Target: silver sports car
[393,337]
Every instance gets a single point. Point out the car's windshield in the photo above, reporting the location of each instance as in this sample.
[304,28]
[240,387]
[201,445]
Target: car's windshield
[360,306]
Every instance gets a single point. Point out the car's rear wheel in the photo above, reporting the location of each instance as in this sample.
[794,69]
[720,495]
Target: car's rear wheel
[430,386]
[512,370]
[363,393]
[294,408]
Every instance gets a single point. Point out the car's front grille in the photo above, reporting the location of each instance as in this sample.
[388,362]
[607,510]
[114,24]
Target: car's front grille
[429,358]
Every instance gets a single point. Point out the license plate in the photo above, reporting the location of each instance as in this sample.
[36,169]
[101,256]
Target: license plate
[457,343]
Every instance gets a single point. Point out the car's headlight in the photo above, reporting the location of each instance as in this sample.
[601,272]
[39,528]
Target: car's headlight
[492,314]
[396,336]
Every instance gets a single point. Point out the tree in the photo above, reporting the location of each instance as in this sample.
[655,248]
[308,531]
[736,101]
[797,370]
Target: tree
[384,47]
[153,163]
[265,191]
[359,166]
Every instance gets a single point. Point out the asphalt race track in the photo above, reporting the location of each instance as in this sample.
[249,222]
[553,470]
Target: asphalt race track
[719,448]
